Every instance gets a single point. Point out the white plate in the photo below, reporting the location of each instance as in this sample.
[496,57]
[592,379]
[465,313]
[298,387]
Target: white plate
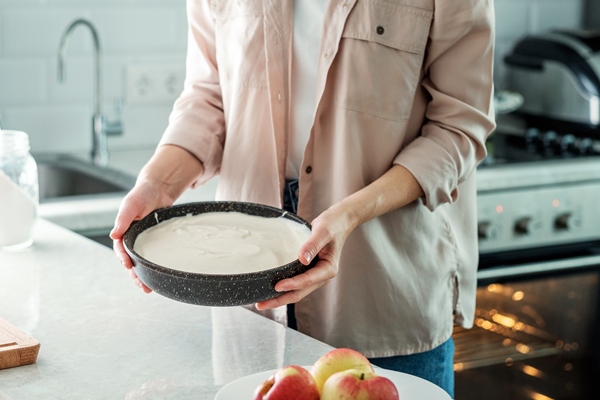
[409,387]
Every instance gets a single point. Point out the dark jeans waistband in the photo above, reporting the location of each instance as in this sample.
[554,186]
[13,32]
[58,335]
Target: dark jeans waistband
[290,195]
[290,204]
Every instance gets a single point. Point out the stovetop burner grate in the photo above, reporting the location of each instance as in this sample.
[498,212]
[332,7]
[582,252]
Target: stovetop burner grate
[534,145]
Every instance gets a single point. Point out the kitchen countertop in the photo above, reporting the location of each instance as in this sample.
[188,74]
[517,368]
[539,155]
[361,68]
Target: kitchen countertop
[103,338]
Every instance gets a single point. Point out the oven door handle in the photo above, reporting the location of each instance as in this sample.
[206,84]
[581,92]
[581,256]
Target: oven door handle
[570,264]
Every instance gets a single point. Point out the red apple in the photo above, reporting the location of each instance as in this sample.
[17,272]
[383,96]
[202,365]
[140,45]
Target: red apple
[354,384]
[289,383]
[338,360]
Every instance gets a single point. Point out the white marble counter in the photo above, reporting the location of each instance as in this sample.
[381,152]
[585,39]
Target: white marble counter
[102,338]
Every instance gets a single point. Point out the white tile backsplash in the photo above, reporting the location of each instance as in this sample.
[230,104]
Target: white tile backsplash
[553,15]
[36,31]
[53,128]
[144,125]
[78,83]
[512,19]
[57,117]
[137,29]
[22,81]
[89,3]
[1,32]
[518,18]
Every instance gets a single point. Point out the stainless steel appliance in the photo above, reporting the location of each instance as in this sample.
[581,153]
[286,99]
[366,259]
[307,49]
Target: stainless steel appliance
[558,73]
[536,333]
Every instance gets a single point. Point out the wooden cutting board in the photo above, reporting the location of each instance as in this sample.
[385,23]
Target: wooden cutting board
[16,347]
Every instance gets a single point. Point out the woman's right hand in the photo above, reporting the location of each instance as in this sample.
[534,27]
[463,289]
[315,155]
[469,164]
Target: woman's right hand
[163,179]
[139,202]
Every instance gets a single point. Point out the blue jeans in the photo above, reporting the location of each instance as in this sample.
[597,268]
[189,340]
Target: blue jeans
[436,365]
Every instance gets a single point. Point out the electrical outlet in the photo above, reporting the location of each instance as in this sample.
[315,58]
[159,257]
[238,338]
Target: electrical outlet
[153,83]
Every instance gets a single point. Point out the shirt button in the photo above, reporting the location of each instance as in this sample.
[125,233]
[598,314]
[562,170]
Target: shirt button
[308,169]
[380,30]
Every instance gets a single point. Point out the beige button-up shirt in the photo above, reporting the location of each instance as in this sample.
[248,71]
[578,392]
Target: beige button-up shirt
[404,82]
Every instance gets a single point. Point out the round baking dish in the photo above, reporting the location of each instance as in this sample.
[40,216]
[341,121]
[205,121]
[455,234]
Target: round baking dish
[210,289]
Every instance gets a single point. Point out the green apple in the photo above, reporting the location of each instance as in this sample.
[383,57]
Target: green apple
[338,360]
[289,383]
[353,384]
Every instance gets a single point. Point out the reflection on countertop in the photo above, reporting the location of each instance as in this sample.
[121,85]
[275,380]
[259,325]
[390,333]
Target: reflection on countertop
[101,337]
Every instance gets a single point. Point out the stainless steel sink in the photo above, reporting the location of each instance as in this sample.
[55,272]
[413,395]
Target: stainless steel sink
[63,178]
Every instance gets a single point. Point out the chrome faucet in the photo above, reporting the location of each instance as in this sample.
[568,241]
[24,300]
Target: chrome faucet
[101,128]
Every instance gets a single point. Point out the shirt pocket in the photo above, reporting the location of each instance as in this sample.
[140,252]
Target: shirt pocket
[379,61]
[240,42]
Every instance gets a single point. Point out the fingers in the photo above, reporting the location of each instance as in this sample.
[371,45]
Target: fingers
[329,229]
[132,207]
[328,246]
[125,217]
[311,248]
[126,261]
[128,212]
[287,298]
[300,286]
[122,255]
[320,273]
[138,282]
[136,204]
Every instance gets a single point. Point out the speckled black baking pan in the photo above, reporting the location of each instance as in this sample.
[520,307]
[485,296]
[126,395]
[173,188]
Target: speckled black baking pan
[210,289]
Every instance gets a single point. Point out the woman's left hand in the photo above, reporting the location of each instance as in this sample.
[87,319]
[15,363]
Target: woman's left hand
[394,189]
[329,232]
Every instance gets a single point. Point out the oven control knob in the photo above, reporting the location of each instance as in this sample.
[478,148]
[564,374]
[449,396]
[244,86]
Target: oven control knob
[486,230]
[566,221]
[526,225]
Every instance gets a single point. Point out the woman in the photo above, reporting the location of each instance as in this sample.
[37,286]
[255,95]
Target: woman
[381,125]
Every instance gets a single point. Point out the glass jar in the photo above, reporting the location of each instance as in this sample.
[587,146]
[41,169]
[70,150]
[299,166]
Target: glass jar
[19,192]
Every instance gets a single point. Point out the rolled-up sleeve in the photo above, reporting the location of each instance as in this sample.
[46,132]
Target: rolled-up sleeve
[459,116]
[197,122]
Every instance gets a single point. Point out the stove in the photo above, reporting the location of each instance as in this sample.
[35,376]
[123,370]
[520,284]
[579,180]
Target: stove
[537,189]
[537,316]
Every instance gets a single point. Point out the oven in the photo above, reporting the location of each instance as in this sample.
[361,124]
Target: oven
[537,322]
